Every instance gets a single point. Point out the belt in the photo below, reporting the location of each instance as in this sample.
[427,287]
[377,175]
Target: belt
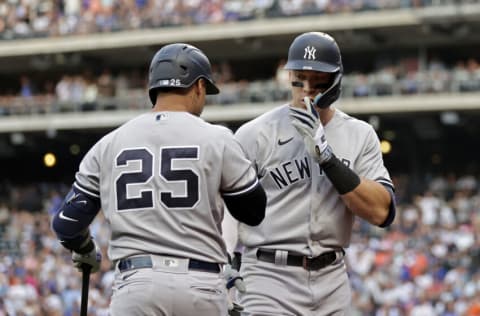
[146,262]
[308,263]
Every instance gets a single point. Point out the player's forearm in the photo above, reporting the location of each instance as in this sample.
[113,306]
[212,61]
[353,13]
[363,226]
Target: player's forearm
[70,222]
[369,200]
[248,207]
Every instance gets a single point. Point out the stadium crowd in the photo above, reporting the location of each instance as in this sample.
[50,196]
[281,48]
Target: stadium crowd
[126,90]
[426,264]
[44,18]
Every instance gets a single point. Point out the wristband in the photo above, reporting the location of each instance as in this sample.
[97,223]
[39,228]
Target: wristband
[391,210]
[87,246]
[342,177]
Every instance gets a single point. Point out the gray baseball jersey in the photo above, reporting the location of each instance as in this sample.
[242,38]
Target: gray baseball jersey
[160,178]
[313,218]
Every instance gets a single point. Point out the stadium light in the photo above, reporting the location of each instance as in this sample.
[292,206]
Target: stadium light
[49,160]
[385,147]
[74,149]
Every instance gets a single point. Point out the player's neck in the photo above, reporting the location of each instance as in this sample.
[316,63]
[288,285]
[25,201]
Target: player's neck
[170,108]
[173,102]
[186,102]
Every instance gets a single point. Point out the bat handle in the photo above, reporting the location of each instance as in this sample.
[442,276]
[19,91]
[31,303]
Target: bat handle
[85,285]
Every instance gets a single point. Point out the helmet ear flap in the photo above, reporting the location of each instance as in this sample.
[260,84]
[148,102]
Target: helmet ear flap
[325,99]
[152,93]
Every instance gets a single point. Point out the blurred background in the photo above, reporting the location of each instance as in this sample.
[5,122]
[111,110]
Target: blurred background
[73,70]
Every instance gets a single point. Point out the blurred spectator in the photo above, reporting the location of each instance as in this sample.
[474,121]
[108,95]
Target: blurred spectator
[282,81]
[63,91]
[106,86]
[26,88]
[429,206]
[410,83]
[361,86]
[4,214]
[461,77]
[77,90]
[54,202]
[90,95]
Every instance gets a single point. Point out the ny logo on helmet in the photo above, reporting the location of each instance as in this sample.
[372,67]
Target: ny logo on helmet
[309,52]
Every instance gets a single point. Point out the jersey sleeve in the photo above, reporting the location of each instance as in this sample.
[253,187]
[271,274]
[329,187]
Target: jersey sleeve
[87,178]
[244,137]
[370,165]
[238,174]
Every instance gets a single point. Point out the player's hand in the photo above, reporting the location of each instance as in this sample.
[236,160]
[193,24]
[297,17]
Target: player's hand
[92,258]
[234,279]
[234,309]
[307,123]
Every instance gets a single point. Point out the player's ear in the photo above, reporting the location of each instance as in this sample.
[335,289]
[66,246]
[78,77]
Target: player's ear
[201,86]
[198,89]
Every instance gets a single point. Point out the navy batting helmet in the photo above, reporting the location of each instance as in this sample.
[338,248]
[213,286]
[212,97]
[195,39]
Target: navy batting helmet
[179,66]
[318,51]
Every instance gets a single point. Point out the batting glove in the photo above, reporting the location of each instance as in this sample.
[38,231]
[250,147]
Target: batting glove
[234,309]
[307,123]
[234,279]
[91,258]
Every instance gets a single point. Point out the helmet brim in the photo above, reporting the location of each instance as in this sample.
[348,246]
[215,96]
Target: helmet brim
[211,88]
[311,65]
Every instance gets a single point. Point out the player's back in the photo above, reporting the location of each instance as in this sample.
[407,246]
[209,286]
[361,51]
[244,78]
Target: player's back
[159,184]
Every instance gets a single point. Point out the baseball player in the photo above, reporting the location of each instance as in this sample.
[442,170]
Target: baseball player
[161,180]
[320,169]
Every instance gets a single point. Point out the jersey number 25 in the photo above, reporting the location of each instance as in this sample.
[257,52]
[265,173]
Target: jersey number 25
[144,175]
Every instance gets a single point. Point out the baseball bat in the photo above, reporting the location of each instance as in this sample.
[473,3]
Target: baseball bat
[85,285]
